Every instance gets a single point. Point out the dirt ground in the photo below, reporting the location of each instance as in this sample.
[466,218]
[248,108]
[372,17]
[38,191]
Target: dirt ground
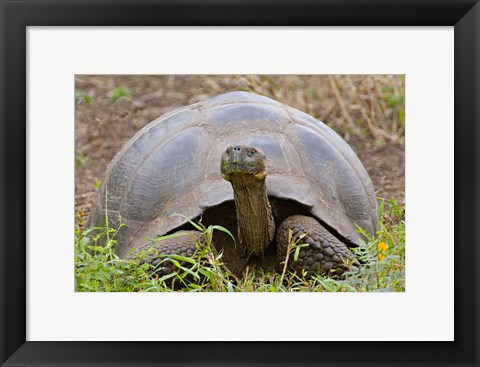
[104,121]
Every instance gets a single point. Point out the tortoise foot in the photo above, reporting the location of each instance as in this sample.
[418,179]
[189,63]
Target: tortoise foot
[324,253]
[182,244]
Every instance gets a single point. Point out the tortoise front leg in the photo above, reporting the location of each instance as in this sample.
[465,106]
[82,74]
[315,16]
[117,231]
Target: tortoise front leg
[324,253]
[182,244]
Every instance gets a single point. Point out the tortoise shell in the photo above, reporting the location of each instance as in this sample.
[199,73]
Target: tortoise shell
[172,166]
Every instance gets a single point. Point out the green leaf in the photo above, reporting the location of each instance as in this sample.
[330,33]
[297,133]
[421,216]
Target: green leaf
[381,208]
[168,276]
[81,160]
[195,287]
[325,284]
[297,250]
[161,238]
[82,96]
[196,276]
[223,229]
[120,91]
[197,226]
[175,262]
[181,258]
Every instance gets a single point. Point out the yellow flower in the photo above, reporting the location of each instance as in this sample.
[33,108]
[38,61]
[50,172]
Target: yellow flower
[382,247]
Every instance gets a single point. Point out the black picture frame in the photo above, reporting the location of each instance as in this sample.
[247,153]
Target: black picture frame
[16,15]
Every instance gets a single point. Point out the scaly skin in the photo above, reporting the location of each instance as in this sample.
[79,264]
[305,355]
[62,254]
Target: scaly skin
[183,245]
[324,253]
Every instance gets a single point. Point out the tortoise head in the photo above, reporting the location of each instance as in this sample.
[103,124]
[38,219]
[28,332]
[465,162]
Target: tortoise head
[242,161]
[245,167]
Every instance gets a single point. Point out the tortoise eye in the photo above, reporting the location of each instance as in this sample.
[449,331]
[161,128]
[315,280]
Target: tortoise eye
[251,153]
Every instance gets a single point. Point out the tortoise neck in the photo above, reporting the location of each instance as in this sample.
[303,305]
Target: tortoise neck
[256,227]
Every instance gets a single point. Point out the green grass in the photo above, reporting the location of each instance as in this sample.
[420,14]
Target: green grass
[81,160]
[120,91]
[83,97]
[99,269]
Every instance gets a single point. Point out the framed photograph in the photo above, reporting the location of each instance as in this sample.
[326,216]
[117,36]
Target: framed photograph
[125,124]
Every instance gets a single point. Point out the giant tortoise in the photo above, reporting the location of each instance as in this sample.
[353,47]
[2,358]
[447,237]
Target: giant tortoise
[265,171]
